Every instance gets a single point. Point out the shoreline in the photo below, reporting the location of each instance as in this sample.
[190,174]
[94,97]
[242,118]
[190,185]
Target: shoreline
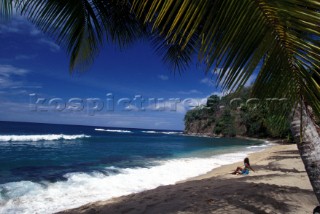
[271,140]
[279,174]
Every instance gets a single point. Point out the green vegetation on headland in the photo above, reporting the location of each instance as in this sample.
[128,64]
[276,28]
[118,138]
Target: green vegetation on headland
[237,114]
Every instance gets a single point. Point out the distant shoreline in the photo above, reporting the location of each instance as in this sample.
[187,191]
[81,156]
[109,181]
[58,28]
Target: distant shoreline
[277,141]
[271,140]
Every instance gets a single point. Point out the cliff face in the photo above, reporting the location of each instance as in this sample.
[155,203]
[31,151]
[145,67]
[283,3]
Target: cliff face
[200,127]
[210,127]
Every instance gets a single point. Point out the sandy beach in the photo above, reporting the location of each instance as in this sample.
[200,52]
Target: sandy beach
[278,185]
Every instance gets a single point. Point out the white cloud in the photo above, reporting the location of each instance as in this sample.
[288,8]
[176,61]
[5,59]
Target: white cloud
[16,24]
[28,87]
[34,32]
[163,77]
[19,24]
[207,81]
[8,29]
[25,57]
[12,26]
[193,91]
[53,46]
[7,72]
[9,106]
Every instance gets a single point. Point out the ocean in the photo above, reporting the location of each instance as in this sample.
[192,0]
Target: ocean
[49,168]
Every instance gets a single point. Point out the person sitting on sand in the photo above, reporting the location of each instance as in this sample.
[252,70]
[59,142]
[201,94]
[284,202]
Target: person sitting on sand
[245,170]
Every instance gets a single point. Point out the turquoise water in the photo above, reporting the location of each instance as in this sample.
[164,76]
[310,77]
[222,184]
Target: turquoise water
[69,166]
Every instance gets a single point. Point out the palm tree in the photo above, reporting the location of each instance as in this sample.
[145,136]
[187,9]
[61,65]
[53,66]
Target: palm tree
[230,37]
[235,37]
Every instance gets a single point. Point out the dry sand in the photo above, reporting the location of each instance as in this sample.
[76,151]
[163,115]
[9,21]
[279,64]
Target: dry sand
[279,185]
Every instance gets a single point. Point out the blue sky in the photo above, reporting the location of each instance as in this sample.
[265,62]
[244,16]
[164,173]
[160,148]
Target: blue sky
[31,63]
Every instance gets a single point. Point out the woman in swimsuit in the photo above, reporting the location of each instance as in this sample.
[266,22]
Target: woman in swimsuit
[245,170]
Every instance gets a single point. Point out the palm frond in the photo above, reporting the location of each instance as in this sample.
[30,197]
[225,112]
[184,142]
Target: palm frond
[121,25]
[81,26]
[6,9]
[236,37]
[172,54]
[72,24]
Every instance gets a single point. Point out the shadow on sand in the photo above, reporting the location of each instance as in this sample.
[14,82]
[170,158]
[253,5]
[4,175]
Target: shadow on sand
[232,195]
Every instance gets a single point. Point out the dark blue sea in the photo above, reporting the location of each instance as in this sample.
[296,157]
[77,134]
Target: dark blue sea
[48,168]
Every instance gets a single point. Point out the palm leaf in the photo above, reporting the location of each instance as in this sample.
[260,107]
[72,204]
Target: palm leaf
[235,37]
[73,24]
[172,54]
[80,26]
[6,9]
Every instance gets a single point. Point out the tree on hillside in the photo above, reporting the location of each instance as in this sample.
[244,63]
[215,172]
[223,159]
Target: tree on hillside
[225,125]
[213,102]
[230,37]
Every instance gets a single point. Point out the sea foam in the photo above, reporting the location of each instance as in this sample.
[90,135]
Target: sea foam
[157,132]
[47,137]
[113,130]
[81,188]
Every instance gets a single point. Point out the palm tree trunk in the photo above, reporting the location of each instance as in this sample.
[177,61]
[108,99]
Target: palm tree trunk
[308,144]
